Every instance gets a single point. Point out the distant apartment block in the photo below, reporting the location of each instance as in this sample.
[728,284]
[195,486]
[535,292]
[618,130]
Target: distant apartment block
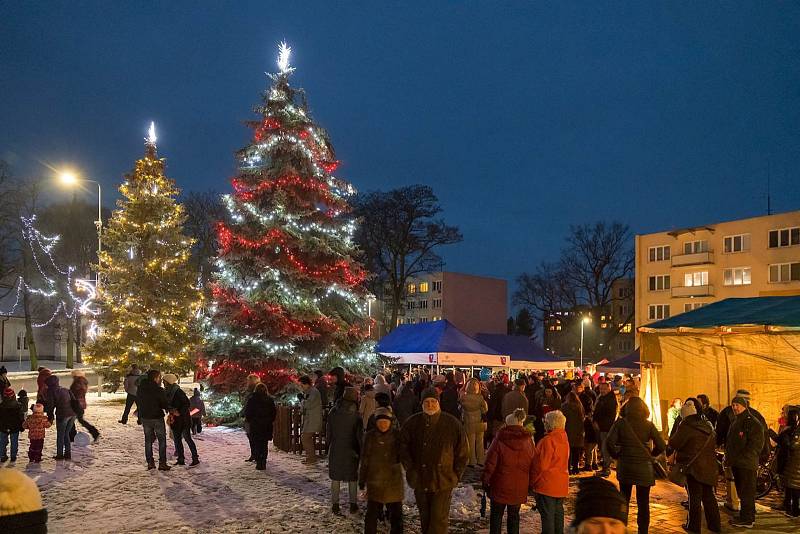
[680,270]
[472,303]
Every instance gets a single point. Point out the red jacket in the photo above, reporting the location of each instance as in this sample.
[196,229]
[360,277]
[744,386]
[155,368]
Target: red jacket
[509,466]
[36,423]
[550,465]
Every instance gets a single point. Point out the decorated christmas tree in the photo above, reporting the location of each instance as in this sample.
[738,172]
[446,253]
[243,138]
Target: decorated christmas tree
[288,287]
[148,300]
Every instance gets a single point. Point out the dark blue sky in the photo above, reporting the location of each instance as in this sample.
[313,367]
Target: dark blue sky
[524,118]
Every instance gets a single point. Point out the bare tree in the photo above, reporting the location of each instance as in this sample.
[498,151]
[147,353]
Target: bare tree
[399,234]
[203,210]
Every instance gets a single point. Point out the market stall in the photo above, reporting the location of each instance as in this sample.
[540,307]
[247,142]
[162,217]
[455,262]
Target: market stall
[524,353]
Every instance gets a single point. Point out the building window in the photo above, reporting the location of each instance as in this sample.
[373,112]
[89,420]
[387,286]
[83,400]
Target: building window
[410,305]
[436,318]
[437,286]
[658,311]
[624,310]
[659,282]
[699,278]
[423,319]
[784,272]
[558,328]
[784,237]
[412,288]
[693,247]
[737,276]
[627,328]
[423,287]
[659,253]
[437,303]
[692,306]
[423,304]
[736,243]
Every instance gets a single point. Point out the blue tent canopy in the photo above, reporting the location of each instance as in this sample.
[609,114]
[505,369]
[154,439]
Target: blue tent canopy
[437,342]
[629,362]
[523,351]
[770,311]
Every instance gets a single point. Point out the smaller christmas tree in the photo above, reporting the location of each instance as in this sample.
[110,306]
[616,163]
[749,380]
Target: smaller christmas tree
[148,299]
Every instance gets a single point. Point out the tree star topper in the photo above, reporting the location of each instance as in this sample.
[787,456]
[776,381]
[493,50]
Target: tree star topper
[151,133]
[284,51]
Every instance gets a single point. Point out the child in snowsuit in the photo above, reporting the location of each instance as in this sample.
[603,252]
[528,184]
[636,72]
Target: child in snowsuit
[36,423]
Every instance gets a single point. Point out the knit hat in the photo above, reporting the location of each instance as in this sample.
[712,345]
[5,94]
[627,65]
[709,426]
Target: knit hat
[742,393]
[517,417]
[170,378]
[38,408]
[18,495]
[439,379]
[350,394]
[740,400]
[430,393]
[383,413]
[78,372]
[688,409]
[8,392]
[597,497]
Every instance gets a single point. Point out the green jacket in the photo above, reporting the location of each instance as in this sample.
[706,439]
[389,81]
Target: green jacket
[434,451]
[744,442]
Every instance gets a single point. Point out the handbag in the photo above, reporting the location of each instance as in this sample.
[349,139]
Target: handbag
[658,469]
[677,474]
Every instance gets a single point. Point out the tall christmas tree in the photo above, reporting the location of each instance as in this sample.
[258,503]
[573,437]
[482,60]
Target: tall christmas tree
[148,299]
[288,286]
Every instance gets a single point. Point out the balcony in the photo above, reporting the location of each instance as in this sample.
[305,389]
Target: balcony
[692,291]
[698,258]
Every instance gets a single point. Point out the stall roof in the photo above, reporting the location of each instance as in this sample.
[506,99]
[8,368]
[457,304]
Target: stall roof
[755,311]
[631,361]
[519,348]
[431,337]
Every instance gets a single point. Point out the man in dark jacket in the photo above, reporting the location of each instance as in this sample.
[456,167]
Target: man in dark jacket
[708,412]
[322,386]
[434,453]
[151,402]
[131,383]
[405,404]
[449,397]
[59,407]
[742,448]
[515,399]
[260,414]
[344,432]
[603,416]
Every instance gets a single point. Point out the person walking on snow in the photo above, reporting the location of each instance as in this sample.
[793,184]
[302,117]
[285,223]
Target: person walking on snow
[344,434]
[196,403]
[260,414]
[181,424]
[311,418]
[59,407]
[381,473]
[10,424]
[36,423]
[130,384]
[78,389]
[152,403]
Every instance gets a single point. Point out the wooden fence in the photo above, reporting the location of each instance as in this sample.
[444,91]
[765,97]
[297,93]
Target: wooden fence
[287,427]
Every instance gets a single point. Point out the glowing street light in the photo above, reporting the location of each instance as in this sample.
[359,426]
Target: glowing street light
[71,179]
[68,178]
[584,320]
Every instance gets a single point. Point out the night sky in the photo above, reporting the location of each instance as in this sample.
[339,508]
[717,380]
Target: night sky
[524,118]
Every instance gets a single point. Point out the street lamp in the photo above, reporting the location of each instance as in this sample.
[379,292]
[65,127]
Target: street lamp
[71,179]
[584,321]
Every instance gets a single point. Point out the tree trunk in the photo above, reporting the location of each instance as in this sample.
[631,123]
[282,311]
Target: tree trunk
[29,332]
[70,344]
[77,330]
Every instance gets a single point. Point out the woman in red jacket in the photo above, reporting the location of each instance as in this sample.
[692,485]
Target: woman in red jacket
[551,478]
[508,472]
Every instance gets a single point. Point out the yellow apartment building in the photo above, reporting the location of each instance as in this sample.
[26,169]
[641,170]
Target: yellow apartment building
[680,270]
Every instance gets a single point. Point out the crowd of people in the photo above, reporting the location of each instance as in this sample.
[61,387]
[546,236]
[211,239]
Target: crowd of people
[520,437]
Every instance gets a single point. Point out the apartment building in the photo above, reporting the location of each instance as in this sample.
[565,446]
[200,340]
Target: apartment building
[680,270]
[472,303]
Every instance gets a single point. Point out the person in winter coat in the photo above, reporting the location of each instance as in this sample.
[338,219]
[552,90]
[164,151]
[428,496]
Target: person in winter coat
[79,388]
[673,413]
[367,405]
[405,404]
[21,510]
[384,402]
[130,384]
[434,453]
[59,407]
[322,386]
[252,381]
[382,386]
[788,464]
[311,409]
[24,403]
[495,416]
[196,403]
[708,412]
[344,433]
[152,403]
[340,382]
[36,423]
[260,413]
[743,445]
[181,424]
[587,397]
[573,411]
[509,472]
[551,478]
[10,424]
[549,400]
[515,399]
[603,417]
[695,445]
[629,439]
[449,396]
[599,508]
[473,414]
[41,393]
[381,473]
[4,381]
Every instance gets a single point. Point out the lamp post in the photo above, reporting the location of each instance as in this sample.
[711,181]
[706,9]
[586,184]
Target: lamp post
[70,179]
[584,320]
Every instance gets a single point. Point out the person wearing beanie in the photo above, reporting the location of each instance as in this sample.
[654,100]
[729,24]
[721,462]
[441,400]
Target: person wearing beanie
[743,446]
[509,473]
[344,433]
[79,388]
[385,408]
[599,508]
[152,403]
[21,509]
[434,453]
[694,443]
[179,419]
[36,423]
[59,406]
[10,424]
[381,473]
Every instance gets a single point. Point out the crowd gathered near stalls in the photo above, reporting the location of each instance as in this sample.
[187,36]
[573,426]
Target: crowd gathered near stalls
[521,436]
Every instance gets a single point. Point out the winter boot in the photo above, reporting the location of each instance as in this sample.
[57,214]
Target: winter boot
[353,508]
[261,465]
[68,456]
[4,459]
[58,457]
[162,466]
[151,464]
[195,461]
[335,509]
[180,461]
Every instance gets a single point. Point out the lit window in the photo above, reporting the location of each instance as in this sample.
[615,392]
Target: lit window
[558,327]
[423,287]
[737,276]
[699,278]
[627,328]
[412,289]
